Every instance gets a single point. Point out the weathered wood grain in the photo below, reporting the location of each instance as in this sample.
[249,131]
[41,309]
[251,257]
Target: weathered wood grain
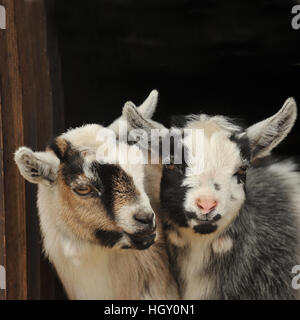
[28,118]
[2,207]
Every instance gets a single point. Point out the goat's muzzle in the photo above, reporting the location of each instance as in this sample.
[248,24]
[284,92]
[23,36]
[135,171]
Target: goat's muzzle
[145,221]
[142,240]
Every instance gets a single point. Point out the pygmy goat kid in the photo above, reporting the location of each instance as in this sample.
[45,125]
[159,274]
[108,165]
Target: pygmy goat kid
[97,224]
[233,228]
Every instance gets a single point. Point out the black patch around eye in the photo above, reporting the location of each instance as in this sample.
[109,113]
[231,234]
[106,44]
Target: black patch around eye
[55,148]
[241,174]
[72,169]
[108,238]
[205,228]
[243,144]
[106,174]
[241,177]
[172,195]
[110,178]
[72,161]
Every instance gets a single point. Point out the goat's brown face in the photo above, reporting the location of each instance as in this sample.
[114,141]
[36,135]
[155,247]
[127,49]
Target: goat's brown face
[101,202]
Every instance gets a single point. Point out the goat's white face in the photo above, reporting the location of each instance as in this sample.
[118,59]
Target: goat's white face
[210,199]
[216,192]
[100,201]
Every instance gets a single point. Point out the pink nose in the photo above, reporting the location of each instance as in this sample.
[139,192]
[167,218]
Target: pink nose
[206,205]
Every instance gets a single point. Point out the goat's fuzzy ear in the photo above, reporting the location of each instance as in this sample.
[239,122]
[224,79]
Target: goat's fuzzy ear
[135,119]
[37,167]
[142,125]
[267,134]
[146,110]
[148,107]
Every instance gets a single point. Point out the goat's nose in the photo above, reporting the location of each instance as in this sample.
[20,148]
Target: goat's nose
[145,218]
[206,205]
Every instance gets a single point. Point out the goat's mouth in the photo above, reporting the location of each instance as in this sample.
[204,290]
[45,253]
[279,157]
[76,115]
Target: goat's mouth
[212,216]
[203,223]
[205,227]
[142,240]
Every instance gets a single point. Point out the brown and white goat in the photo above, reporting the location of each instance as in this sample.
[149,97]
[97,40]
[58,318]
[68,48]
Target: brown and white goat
[97,224]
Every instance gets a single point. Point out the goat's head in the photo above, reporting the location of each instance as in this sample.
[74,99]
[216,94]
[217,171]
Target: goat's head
[210,198]
[99,201]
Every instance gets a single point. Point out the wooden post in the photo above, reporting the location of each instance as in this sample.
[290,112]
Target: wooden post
[27,112]
[2,212]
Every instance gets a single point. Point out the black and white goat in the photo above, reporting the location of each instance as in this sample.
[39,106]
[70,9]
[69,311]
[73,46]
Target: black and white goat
[233,228]
[92,214]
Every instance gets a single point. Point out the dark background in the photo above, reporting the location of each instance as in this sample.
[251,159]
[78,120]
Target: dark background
[238,58]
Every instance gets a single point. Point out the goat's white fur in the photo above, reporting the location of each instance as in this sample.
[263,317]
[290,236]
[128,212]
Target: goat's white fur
[268,134]
[87,270]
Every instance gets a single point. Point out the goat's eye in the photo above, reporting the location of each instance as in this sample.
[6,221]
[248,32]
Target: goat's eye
[242,170]
[241,174]
[83,190]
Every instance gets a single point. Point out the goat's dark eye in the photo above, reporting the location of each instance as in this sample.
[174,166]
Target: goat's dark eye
[242,170]
[241,174]
[83,190]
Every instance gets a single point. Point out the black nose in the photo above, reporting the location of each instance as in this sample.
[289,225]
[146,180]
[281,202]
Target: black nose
[146,218]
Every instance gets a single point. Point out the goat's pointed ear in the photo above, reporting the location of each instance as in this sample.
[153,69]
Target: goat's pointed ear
[146,110]
[37,167]
[148,107]
[141,125]
[135,119]
[267,134]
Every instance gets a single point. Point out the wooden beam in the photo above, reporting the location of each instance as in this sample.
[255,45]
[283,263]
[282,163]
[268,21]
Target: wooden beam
[2,209]
[13,136]
[28,118]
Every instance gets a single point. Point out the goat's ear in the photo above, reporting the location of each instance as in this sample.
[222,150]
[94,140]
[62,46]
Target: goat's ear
[153,138]
[136,120]
[148,107]
[37,167]
[267,134]
[146,110]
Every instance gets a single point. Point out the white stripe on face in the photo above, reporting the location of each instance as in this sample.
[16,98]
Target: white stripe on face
[221,159]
